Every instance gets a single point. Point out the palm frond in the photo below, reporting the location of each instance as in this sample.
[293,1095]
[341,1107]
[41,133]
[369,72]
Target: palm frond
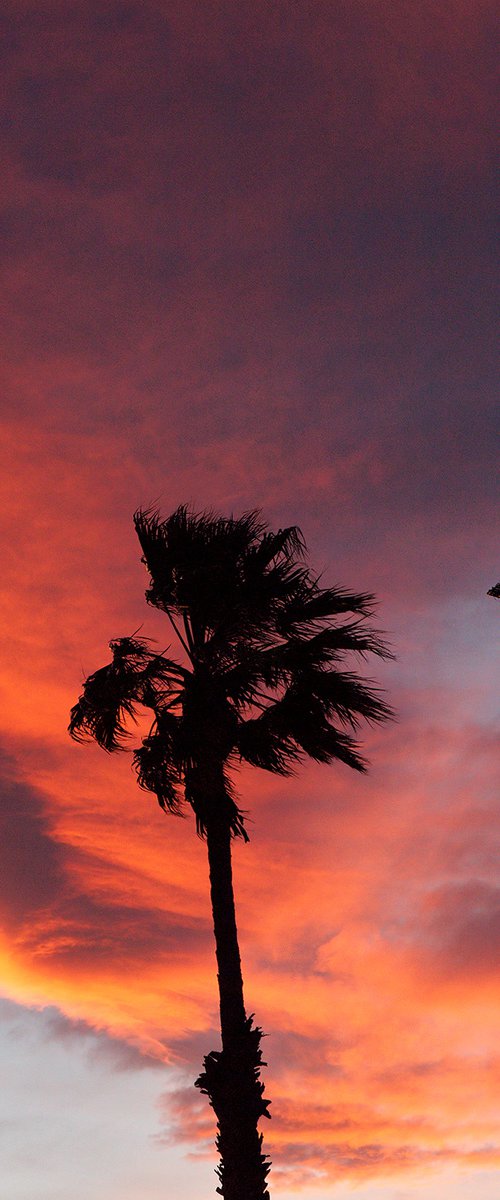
[326,743]
[343,694]
[287,542]
[228,575]
[136,676]
[317,604]
[157,766]
[288,658]
[261,744]
[102,709]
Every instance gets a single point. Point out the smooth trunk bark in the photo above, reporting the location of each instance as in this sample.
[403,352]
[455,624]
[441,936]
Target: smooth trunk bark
[231,1077]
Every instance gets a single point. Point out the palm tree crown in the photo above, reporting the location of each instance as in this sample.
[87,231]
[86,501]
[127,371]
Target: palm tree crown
[263,676]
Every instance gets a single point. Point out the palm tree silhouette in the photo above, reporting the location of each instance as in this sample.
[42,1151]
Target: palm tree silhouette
[259,680]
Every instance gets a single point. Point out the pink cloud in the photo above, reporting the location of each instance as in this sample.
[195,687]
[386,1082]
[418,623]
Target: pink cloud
[247,262]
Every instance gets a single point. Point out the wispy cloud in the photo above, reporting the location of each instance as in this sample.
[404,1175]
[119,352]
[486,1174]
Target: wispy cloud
[247,261]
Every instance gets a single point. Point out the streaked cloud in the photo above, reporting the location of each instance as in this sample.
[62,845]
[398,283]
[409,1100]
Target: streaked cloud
[246,256]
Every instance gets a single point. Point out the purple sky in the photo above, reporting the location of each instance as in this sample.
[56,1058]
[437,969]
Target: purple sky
[247,260]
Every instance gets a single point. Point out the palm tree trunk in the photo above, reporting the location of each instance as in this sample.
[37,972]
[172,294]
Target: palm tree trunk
[232,1009]
[231,1077]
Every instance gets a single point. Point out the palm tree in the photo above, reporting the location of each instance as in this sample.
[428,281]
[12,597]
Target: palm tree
[260,679]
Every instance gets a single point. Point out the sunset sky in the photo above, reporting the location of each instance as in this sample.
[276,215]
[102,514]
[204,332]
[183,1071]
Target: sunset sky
[247,262]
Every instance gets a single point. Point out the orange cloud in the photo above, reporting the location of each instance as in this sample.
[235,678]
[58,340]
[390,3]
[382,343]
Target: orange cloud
[239,273]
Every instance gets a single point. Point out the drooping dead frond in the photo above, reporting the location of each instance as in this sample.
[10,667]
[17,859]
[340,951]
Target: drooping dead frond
[158,769]
[135,676]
